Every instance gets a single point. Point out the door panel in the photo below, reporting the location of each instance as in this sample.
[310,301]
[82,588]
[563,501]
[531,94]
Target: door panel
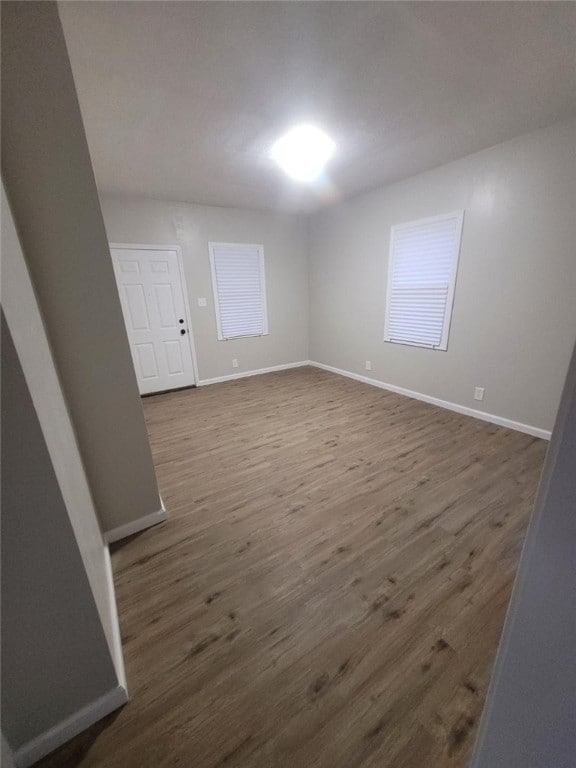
[138,319]
[173,357]
[165,304]
[146,367]
[154,305]
[129,266]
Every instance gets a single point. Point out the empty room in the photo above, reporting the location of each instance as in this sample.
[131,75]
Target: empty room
[288,384]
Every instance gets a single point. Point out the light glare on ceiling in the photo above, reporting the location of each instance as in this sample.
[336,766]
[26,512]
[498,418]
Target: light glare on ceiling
[303,152]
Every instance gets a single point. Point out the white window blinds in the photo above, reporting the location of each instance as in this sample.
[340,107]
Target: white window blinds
[421,280]
[239,289]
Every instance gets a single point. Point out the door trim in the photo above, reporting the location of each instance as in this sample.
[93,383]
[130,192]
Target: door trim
[178,250]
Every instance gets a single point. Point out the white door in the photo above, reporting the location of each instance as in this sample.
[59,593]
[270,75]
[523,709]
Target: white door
[155,306]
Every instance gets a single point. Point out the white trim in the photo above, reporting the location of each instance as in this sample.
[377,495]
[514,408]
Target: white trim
[443,346]
[499,420]
[135,526]
[59,734]
[244,374]
[178,250]
[260,248]
[116,641]
[215,293]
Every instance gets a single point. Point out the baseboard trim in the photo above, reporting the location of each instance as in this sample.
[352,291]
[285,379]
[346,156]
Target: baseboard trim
[482,415]
[135,526]
[59,734]
[115,641]
[257,372]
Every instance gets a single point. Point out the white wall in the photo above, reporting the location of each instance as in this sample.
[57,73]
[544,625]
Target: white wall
[50,186]
[29,335]
[529,715]
[146,221]
[514,317]
[55,658]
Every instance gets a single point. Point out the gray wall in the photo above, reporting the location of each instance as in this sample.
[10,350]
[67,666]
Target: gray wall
[514,317]
[29,336]
[50,185]
[530,715]
[144,221]
[55,656]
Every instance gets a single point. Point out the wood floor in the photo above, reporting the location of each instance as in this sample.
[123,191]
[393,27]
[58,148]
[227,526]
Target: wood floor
[331,584]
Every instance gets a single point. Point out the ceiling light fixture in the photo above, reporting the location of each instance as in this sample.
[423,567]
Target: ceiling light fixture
[303,152]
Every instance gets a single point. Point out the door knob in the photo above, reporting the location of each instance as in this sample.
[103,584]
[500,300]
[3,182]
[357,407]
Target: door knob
[181,320]
[182,331]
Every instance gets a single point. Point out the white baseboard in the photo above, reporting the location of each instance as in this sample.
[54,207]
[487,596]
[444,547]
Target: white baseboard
[135,526]
[115,641]
[59,734]
[257,372]
[499,420]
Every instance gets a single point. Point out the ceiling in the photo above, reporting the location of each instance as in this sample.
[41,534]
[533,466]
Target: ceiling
[182,100]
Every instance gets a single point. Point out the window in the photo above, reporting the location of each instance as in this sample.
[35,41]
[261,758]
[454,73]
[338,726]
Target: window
[239,289]
[421,280]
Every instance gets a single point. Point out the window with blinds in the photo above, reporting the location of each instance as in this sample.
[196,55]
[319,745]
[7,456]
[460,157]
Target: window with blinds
[239,289]
[421,280]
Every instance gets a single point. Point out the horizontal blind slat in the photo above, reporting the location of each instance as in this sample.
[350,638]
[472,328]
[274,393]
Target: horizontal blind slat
[422,262]
[239,289]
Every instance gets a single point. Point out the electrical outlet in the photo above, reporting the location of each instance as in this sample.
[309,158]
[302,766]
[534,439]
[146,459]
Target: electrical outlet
[478,393]
[368,365]
[201,302]
[234,363]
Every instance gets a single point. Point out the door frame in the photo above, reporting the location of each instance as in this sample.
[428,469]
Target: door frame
[178,250]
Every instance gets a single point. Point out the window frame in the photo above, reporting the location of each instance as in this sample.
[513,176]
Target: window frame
[443,345]
[212,246]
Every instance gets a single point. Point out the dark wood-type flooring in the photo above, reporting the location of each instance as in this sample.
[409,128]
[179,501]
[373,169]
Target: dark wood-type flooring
[329,588]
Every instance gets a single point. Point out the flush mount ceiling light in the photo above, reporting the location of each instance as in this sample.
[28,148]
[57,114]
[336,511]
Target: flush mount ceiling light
[303,152]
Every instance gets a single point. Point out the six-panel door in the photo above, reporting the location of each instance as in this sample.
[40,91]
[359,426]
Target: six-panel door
[152,295]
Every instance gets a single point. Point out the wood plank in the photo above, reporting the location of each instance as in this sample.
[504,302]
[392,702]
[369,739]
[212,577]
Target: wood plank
[329,588]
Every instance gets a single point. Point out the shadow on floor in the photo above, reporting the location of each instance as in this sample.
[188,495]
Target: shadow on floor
[75,751]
